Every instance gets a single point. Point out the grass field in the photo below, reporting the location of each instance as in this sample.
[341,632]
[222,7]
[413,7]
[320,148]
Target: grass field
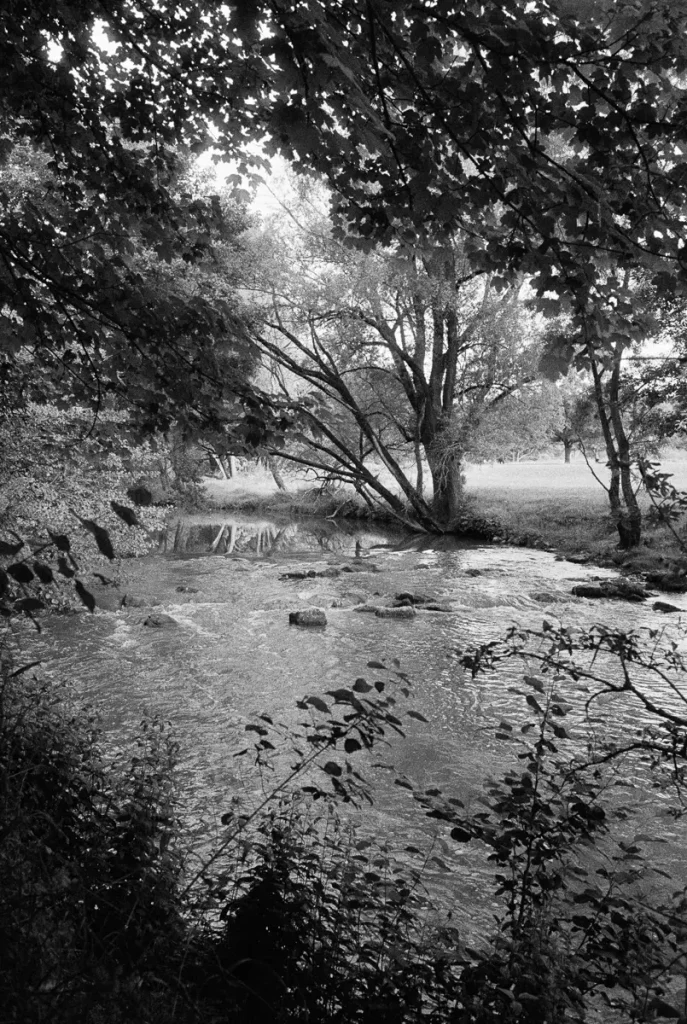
[563,504]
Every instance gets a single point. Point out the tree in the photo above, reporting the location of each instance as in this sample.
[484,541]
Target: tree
[388,354]
[100,225]
[548,135]
[577,425]
[517,427]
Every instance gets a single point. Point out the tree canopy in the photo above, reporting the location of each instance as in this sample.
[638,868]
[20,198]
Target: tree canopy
[548,135]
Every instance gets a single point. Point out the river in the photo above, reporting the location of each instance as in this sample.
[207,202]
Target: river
[231,653]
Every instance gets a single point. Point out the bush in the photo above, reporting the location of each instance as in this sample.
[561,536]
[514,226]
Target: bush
[296,917]
[89,921]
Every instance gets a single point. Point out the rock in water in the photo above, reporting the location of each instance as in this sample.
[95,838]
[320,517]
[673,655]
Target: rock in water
[159,620]
[672,582]
[664,606]
[620,590]
[308,617]
[406,612]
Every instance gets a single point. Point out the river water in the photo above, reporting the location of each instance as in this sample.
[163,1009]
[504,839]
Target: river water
[231,653]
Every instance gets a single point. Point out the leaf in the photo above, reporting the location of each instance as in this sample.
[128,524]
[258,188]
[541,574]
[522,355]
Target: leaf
[351,745]
[64,567]
[125,513]
[10,549]
[25,668]
[416,714]
[43,572]
[342,696]
[28,605]
[60,541]
[4,581]
[533,703]
[461,835]
[318,703]
[85,595]
[361,686]
[332,768]
[20,572]
[535,682]
[102,537]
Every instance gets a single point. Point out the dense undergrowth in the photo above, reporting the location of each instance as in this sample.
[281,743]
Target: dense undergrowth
[106,918]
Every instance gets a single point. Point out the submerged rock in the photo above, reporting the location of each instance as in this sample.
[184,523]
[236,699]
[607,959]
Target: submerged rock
[406,598]
[187,590]
[311,574]
[672,582]
[406,612]
[665,606]
[621,590]
[130,601]
[159,620]
[308,617]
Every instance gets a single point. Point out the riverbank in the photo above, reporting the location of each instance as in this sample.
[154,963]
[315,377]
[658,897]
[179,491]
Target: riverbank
[544,504]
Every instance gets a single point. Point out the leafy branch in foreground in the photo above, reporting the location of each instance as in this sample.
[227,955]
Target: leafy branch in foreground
[365,722]
[589,912]
[669,503]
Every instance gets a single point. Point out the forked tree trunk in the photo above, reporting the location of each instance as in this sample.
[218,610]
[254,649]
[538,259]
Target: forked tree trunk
[621,495]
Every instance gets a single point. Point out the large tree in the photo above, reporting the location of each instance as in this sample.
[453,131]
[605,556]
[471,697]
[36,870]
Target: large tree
[390,354]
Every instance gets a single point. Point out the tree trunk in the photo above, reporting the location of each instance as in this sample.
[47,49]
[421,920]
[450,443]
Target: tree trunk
[621,496]
[274,470]
[220,466]
[567,449]
[447,481]
[419,478]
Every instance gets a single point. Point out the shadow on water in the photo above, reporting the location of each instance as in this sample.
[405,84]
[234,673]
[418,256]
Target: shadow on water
[249,537]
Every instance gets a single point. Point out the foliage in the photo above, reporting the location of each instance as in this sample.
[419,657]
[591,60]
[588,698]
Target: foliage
[295,916]
[582,920]
[323,925]
[64,507]
[519,426]
[89,862]
[459,127]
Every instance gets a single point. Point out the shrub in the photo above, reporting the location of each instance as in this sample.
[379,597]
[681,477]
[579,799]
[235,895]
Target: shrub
[88,863]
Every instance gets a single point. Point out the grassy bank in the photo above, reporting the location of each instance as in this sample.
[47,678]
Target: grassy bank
[566,508]
[548,503]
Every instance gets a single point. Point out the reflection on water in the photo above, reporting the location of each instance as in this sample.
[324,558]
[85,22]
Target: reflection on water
[241,535]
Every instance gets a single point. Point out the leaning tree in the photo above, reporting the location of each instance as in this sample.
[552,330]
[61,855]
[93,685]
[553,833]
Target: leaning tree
[390,356]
